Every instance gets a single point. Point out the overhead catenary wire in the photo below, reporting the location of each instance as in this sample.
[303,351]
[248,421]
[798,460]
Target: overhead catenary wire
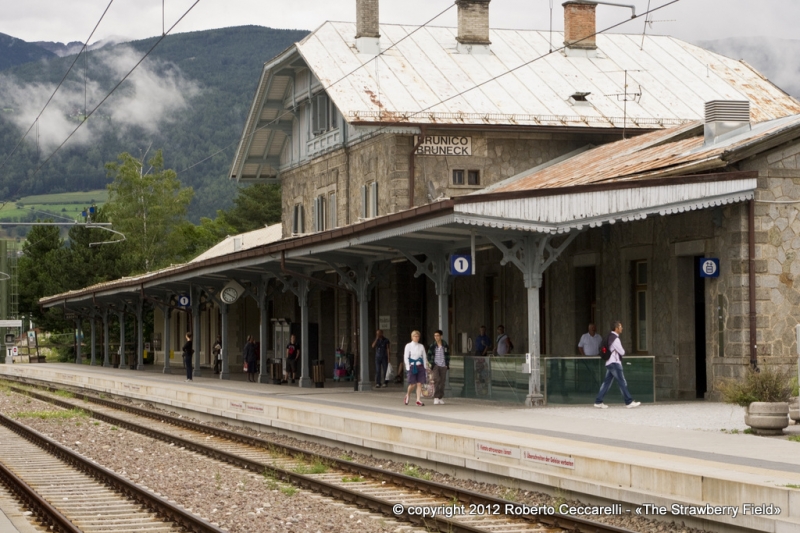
[60,83]
[457,95]
[107,96]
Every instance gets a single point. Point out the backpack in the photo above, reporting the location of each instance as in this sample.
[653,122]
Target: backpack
[605,347]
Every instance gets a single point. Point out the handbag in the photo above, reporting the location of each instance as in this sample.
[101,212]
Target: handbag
[245,366]
[390,372]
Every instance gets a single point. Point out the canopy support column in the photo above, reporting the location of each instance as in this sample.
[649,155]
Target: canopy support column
[532,255]
[139,334]
[121,315]
[106,340]
[196,345]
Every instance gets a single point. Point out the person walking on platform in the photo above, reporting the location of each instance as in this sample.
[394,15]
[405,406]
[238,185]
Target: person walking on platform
[614,369]
[416,361]
[188,352]
[216,353]
[250,358]
[292,356]
[503,344]
[381,345]
[482,343]
[439,355]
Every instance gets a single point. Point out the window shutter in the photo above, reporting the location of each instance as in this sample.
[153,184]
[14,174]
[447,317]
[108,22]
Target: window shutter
[364,201]
[295,219]
[332,210]
[373,197]
[315,214]
[302,223]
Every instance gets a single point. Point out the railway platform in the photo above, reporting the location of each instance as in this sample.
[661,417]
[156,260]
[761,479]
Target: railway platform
[690,454]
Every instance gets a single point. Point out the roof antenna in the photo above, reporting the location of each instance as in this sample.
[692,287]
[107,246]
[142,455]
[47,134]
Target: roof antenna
[646,19]
[551,26]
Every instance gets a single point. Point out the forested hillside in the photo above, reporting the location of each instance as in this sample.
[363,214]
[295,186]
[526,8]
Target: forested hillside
[15,51]
[190,99]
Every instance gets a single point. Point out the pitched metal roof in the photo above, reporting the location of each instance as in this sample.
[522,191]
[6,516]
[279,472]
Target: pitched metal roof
[406,83]
[676,151]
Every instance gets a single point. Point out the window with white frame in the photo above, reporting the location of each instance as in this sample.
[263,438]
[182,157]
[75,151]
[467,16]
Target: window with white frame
[369,200]
[332,222]
[323,114]
[298,222]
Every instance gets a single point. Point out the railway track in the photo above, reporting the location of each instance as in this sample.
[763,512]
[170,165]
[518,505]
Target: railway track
[69,493]
[395,495]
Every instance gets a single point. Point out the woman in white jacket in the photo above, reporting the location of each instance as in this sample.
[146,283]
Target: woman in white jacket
[416,361]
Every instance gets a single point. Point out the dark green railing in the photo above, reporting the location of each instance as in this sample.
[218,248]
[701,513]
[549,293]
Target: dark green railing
[577,380]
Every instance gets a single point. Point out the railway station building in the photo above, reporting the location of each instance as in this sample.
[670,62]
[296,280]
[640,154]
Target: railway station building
[586,184]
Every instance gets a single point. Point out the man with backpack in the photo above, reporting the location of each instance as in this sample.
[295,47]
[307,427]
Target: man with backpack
[612,352]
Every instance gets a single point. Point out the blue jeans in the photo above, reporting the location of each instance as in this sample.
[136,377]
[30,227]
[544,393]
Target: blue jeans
[614,371]
[381,366]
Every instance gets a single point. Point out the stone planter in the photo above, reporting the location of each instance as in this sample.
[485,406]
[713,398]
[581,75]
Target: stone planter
[767,418]
[794,409]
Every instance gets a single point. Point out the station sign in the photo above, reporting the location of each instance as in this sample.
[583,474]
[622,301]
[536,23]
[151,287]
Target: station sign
[451,145]
[460,265]
[709,267]
[184,300]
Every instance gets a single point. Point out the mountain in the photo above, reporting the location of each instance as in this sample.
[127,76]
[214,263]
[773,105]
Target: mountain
[777,59]
[15,51]
[189,98]
[61,49]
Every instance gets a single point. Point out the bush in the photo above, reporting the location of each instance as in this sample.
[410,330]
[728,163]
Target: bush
[767,385]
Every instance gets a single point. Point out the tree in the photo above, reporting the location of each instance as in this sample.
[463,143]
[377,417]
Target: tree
[254,207]
[40,273]
[147,207]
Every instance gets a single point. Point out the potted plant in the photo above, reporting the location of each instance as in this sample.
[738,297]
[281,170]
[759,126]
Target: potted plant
[765,393]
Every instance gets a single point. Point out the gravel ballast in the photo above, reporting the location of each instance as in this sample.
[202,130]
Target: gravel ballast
[242,502]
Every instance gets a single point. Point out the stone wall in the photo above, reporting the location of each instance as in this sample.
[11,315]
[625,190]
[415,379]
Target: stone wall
[385,159]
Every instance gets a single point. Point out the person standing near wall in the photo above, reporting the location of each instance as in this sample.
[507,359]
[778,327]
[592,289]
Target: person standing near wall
[250,359]
[503,344]
[590,342]
[292,356]
[188,352]
[439,355]
[614,369]
[216,352]
[416,361]
[482,343]
[381,346]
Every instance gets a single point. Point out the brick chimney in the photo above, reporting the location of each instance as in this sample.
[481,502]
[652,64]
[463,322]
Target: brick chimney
[367,28]
[473,26]
[579,23]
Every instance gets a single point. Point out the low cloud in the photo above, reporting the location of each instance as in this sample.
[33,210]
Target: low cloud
[154,94]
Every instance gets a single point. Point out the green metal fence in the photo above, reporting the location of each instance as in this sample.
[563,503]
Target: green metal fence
[577,380]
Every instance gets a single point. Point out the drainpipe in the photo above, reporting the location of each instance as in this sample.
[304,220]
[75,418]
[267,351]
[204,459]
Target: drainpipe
[751,253]
[412,166]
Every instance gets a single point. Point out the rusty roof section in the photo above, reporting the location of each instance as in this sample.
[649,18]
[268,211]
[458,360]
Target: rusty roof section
[677,151]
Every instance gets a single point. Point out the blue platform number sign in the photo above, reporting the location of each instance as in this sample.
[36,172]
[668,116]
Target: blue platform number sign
[460,265]
[709,267]
[184,300]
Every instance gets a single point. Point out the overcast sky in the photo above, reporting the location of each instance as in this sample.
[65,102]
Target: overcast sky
[73,20]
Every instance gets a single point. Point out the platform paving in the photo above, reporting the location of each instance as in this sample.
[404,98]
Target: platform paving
[663,453]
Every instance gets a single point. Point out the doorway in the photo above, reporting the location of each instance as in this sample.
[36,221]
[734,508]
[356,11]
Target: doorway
[585,299]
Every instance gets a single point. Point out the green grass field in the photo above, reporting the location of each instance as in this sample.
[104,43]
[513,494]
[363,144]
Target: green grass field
[68,204]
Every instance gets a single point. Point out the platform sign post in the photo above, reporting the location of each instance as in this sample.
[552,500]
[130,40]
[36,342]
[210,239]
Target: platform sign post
[9,347]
